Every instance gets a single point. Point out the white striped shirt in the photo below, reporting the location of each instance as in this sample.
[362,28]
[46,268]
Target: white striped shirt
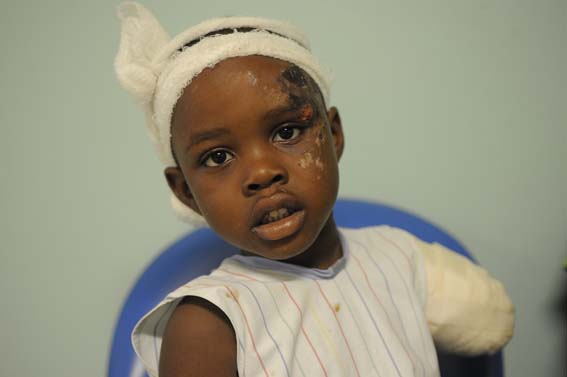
[363,316]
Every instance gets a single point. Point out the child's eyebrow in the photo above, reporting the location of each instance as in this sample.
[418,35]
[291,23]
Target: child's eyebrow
[276,112]
[200,137]
[279,111]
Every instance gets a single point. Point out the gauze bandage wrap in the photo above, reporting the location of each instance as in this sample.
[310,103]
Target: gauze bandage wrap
[468,312]
[155,69]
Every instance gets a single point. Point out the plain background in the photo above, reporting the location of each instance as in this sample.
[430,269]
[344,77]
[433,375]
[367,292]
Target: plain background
[455,110]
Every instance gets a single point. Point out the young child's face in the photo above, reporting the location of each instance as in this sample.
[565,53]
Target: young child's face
[257,154]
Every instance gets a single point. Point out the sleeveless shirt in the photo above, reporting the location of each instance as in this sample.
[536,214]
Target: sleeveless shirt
[363,316]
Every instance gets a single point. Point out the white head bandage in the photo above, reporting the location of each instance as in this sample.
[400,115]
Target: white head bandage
[155,69]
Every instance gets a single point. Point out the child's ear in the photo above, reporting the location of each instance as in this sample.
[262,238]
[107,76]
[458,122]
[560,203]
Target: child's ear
[180,188]
[336,131]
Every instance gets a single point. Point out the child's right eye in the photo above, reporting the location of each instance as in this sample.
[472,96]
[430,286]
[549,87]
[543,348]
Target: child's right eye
[217,158]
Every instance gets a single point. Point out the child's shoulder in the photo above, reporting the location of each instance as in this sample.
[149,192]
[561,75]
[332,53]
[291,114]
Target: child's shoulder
[382,237]
[386,248]
[188,318]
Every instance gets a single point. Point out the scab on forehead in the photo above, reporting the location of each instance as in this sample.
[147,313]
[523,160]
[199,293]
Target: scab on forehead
[296,83]
[306,112]
[295,75]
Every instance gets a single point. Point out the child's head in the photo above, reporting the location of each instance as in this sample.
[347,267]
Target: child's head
[254,143]
[249,144]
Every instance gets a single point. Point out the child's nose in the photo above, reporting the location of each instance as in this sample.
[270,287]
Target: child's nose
[263,174]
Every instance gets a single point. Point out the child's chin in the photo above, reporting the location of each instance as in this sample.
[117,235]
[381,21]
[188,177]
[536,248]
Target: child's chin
[286,248]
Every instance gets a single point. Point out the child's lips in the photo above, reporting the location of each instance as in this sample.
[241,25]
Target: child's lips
[277,216]
[282,228]
[265,205]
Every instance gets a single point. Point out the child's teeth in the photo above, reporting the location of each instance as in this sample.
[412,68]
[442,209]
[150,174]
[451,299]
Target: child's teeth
[276,215]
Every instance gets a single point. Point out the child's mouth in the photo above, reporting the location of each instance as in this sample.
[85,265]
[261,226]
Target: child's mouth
[276,215]
[279,223]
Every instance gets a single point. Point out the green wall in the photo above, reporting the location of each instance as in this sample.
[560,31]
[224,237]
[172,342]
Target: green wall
[455,110]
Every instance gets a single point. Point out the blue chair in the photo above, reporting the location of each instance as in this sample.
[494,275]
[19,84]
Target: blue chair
[201,251]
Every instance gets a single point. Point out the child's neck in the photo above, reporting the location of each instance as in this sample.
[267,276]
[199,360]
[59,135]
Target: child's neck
[323,253]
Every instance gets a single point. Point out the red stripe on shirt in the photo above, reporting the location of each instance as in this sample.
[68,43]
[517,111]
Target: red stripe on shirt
[340,327]
[303,330]
[384,309]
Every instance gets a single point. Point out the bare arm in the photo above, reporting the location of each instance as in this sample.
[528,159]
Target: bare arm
[198,341]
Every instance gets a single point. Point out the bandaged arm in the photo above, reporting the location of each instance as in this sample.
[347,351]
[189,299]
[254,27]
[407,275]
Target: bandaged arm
[468,311]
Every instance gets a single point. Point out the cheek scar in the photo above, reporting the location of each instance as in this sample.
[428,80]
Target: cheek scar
[306,160]
[318,164]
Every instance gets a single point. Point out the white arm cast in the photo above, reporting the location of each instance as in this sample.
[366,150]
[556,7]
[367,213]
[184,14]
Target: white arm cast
[467,310]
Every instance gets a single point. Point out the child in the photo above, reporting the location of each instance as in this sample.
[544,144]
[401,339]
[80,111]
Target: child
[237,109]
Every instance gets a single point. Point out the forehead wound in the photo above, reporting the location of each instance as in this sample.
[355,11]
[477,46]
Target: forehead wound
[293,78]
[295,75]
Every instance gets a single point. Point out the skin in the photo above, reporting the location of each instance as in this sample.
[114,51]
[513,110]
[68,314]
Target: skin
[248,131]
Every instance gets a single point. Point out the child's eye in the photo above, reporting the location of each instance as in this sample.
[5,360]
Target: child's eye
[287,133]
[217,158]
